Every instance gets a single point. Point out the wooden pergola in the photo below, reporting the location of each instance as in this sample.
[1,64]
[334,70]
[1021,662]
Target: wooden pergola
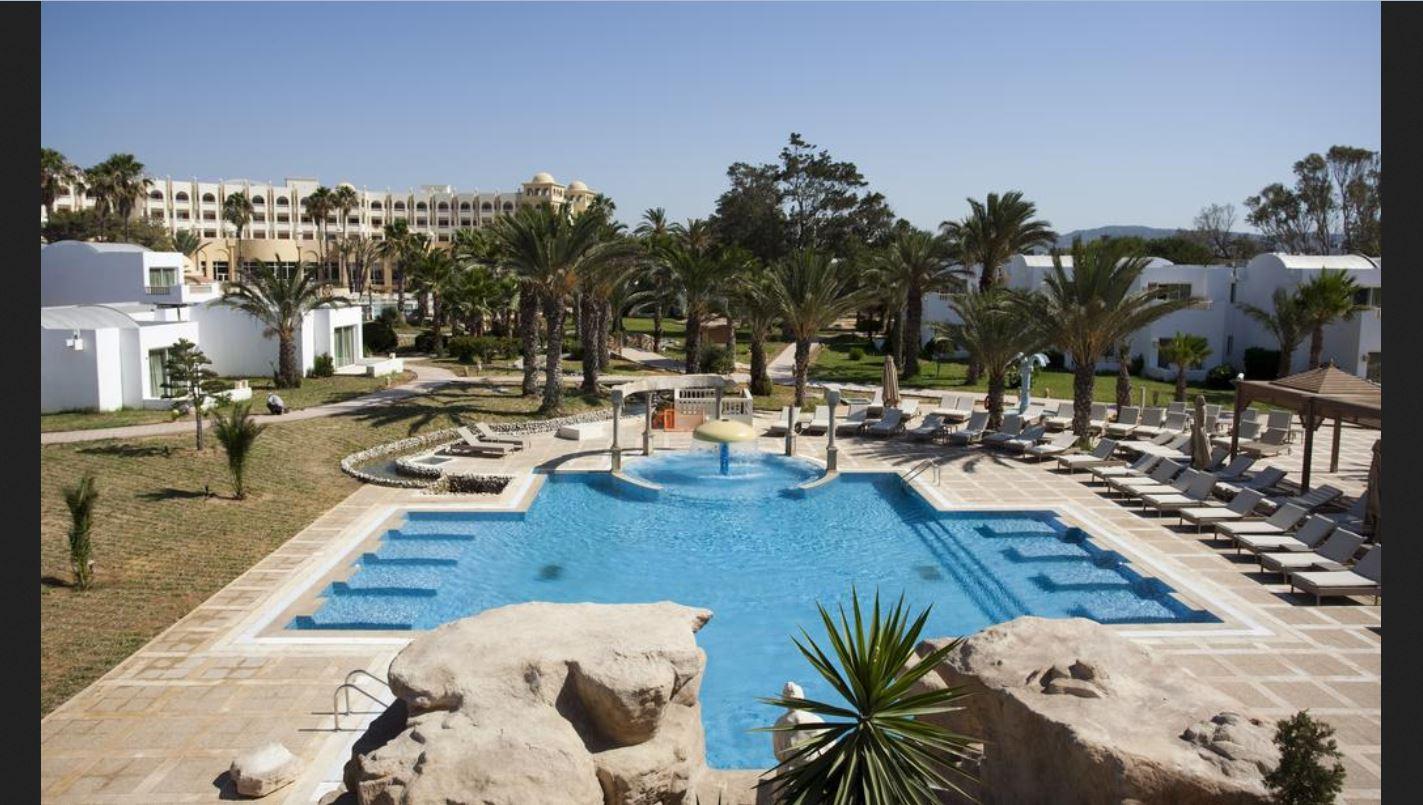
[1317,395]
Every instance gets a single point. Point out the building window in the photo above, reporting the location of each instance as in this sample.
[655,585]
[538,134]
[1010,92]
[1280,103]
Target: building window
[464,206]
[1374,366]
[445,222]
[284,235]
[210,234]
[209,215]
[443,206]
[162,280]
[158,374]
[443,239]
[422,221]
[259,235]
[1161,362]
[375,222]
[156,195]
[1230,343]
[466,222]
[219,270]
[421,206]
[1232,293]
[343,345]
[209,198]
[283,218]
[282,201]
[508,207]
[258,201]
[180,196]
[375,205]
[182,215]
[1171,290]
[1368,297]
[378,275]
[487,207]
[400,205]
[156,215]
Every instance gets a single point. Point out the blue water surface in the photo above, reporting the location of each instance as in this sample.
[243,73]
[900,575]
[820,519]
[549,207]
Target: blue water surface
[759,556]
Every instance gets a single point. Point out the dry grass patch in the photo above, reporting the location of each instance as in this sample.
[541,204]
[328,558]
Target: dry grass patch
[163,546]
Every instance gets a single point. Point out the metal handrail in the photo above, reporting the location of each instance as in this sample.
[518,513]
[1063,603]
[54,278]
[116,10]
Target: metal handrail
[348,686]
[918,469]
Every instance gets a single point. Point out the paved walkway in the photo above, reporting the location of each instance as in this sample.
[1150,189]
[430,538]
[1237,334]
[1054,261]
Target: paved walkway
[652,359]
[782,367]
[163,725]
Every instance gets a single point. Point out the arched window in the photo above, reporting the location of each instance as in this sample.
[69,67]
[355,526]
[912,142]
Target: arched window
[282,201]
[180,196]
[400,205]
[209,198]
[421,206]
[508,206]
[375,205]
[156,195]
[487,207]
[464,206]
[258,201]
[443,206]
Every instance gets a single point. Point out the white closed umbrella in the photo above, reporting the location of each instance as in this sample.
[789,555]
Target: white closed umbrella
[890,383]
[1200,443]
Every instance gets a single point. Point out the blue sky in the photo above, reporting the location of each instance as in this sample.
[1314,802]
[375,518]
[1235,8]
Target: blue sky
[1101,113]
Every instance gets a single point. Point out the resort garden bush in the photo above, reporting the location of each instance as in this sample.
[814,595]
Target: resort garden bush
[469,348]
[716,359]
[1138,364]
[379,335]
[856,354]
[425,341]
[1261,363]
[80,500]
[1219,376]
[1302,778]
[323,366]
[236,431]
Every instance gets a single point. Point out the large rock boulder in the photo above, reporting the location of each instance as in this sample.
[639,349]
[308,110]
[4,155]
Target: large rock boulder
[547,703]
[260,771]
[1071,712]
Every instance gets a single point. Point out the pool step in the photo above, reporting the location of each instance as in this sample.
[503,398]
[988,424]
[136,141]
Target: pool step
[399,576]
[308,622]
[399,535]
[376,560]
[341,589]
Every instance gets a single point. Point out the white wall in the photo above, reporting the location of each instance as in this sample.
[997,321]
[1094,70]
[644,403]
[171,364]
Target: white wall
[1346,343]
[74,273]
[87,379]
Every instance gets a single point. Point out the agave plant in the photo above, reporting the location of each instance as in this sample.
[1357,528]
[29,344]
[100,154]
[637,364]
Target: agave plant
[879,750]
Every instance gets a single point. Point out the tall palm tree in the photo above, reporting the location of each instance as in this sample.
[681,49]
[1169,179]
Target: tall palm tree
[1326,298]
[654,223]
[1285,321]
[656,285]
[123,185]
[1123,375]
[434,272]
[57,172]
[237,210]
[344,199]
[699,276]
[757,307]
[319,204]
[919,263]
[696,234]
[188,244]
[551,249]
[996,332]
[1093,309]
[360,253]
[395,249]
[995,231]
[812,290]
[1185,352]
[280,300]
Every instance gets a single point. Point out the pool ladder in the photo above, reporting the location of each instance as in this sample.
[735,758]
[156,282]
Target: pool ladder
[349,685]
[918,469]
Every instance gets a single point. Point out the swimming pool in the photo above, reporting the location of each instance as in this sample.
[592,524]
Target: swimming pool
[755,553]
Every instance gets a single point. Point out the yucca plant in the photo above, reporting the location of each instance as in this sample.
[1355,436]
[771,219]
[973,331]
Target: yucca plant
[879,750]
[236,431]
[81,500]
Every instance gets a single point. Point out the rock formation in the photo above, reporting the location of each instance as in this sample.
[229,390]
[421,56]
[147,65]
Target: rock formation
[263,770]
[547,703]
[1071,712]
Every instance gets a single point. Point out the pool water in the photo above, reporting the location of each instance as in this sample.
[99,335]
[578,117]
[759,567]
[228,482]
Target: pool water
[757,553]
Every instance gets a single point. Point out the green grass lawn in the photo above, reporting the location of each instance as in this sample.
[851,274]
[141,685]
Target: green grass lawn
[833,364]
[313,391]
[677,329]
[162,546]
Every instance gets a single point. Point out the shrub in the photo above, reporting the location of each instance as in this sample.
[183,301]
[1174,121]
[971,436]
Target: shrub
[389,315]
[80,500]
[856,354]
[465,348]
[1056,360]
[236,431]
[1261,363]
[425,341]
[716,359]
[323,366]
[1138,363]
[379,335]
[1219,376]
[1301,778]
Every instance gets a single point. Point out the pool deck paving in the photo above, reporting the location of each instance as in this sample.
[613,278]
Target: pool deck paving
[164,724]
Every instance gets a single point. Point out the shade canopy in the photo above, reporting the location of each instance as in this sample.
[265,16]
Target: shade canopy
[724,431]
[890,383]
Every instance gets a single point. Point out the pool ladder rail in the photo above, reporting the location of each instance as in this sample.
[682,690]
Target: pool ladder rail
[919,469]
[349,685]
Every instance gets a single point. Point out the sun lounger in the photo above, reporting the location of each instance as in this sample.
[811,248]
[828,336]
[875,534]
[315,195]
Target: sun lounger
[955,407]
[1280,420]
[1137,469]
[1261,481]
[1150,424]
[1162,473]
[1271,443]
[908,408]
[1235,470]
[1310,534]
[971,432]
[1240,507]
[1311,500]
[891,424]
[1137,445]
[1057,445]
[1028,438]
[854,420]
[1061,417]
[1365,578]
[1011,427]
[1101,456]
[1127,420]
[1351,518]
[819,422]
[487,434]
[1195,493]
[1249,431]
[1176,407]
[1177,485]
[1335,554]
[1279,523]
[471,445]
[778,425]
[1098,418]
[933,427]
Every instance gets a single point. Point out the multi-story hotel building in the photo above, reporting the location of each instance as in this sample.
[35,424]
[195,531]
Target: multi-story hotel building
[282,233]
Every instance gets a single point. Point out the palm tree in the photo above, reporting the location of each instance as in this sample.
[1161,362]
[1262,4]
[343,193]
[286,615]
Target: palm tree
[994,232]
[237,210]
[881,749]
[1285,321]
[187,242]
[699,276]
[435,272]
[57,172]
[360,253]
[657,290]
[236,431]
[551,250]
[919,263]
[319,204]
[654,223]
[696,234]
[995,333]
[1324,299]
[81,499]
[756,305]
[395,249]
[121,185]
[344,199]
[280,300]
[812,290]
[1094,309]
[1123,375]
[1185,352]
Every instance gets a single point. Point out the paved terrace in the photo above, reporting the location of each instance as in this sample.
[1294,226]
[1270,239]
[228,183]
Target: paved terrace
[163,725]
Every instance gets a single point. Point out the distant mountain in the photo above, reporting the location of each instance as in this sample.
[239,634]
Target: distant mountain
[1089,235]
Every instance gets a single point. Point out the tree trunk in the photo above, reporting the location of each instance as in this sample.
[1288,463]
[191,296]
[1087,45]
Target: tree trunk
[529,340]
[802,367]
[657,327]
[1083,377]
[913,323]
[1287,359]
[198,419]
[971,377]
[286,362]
[605,334]
[1316,347]
[988,278]
[588,338]
[553,368]
[731,340]
[437,316]
[760,380]
[997,383]
[399,272]
[895,342]
[1123,378]
[694,341]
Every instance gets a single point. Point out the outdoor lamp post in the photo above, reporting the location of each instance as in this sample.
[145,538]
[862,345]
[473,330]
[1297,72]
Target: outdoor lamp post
[832,396]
